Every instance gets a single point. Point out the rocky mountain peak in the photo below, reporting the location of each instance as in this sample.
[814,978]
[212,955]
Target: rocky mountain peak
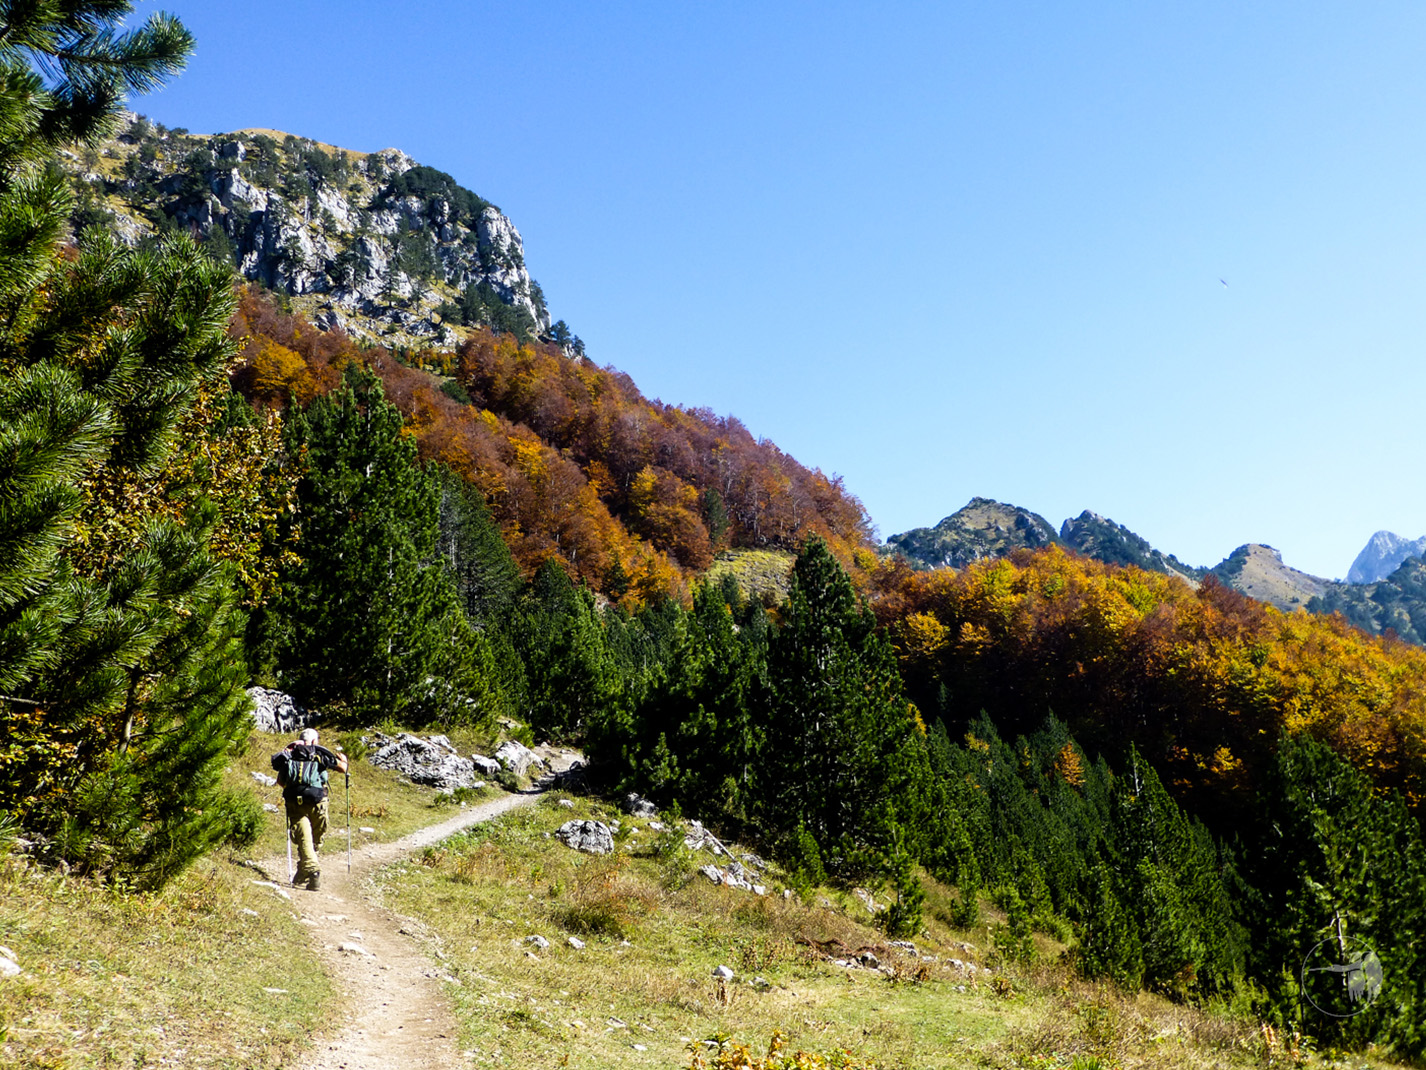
[1383,554]
[373,243]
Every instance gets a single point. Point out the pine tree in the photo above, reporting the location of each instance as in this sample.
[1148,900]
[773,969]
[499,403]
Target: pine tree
[370,615]
[843,757]
[121,671]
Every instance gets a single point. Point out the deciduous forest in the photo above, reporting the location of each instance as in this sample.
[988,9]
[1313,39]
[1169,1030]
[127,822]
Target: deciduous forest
[200,490]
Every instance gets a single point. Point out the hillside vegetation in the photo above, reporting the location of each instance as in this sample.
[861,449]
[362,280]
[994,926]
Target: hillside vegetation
[1185,790]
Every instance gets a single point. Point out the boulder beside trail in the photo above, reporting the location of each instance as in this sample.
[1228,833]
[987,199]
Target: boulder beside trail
[517,758]
[592,837]
[487,766]
[275,711]
[432,761]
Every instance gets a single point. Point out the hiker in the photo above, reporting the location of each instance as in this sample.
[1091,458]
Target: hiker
[302,771]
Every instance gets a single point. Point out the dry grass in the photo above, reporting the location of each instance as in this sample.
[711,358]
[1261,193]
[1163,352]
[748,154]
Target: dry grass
[179,977]
[642,988]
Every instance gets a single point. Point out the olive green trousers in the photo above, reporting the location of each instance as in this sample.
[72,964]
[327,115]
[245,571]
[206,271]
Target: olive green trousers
[306,825]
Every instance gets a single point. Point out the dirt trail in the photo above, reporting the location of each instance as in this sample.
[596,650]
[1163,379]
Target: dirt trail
[396,1015]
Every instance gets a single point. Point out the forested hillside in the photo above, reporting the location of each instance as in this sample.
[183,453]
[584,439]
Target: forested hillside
[200,490]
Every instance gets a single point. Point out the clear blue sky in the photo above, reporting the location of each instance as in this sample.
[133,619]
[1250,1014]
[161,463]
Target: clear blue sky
[941,249]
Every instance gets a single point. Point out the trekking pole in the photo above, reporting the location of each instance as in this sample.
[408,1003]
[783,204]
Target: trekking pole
[289,856]
[349,823]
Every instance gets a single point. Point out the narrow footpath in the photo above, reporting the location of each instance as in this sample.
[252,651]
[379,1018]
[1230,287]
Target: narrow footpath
[396,1017]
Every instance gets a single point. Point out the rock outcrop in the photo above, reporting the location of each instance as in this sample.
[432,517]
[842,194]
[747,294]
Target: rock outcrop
[384,247]
[275,711]
[1383,554]
[431,761]
[592,837]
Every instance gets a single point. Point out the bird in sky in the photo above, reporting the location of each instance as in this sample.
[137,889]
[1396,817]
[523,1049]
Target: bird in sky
[1223,281]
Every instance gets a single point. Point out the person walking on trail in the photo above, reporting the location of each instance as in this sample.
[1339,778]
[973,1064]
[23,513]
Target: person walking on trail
[302,768]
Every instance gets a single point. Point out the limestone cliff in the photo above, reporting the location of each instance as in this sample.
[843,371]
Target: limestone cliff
[374,243]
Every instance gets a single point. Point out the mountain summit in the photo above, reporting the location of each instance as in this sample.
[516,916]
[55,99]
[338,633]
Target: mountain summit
[1383,554]
[385,248]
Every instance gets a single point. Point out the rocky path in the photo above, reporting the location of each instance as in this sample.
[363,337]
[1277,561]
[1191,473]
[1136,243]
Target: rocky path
[396,1016]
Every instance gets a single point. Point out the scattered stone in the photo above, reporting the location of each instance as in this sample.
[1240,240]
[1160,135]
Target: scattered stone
[431,761]
[334,918]
[867,959]
[355,949]
[866,900]
[488,766]
[762,984]
[723,973]
[276,991]
[538,941]
[250,912]
[592,837]
[265,780]
[517,758]
[787,893]
[641,1047]
[271,808]
[699,837]
[576,943]
[274,711]
[615,1023]
[635,805]
[275,887]
[657,826]
[9,963]
[966,947]
[367,829]
[712,872]
[905,945]
[759,889]
[568,804]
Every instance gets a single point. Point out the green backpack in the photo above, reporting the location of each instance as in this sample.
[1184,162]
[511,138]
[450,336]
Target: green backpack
[305,777]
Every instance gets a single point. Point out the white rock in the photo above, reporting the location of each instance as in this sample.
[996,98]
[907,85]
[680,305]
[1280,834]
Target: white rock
[488,766]
[265,780]
[366,828]
[516,757]
[271,808]
[275,991]
[576,943]
[8,966]
[723,973]
[712,872]
[592,837]
[759,889]
[567,804]
[538,941]
[275,887]
[250,912]
[355,949]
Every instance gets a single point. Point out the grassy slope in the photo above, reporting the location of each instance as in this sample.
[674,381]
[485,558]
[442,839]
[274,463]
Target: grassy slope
[481,894]
[181,976]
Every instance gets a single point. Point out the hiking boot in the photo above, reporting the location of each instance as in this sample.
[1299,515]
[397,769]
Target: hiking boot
[313,882]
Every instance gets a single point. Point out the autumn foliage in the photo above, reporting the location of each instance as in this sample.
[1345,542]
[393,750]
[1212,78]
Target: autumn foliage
[633,495]
[1204,681]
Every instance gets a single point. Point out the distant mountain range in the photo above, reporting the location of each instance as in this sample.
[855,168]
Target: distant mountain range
[1386,587]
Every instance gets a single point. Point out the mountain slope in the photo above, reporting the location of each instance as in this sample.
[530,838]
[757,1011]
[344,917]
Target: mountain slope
[1382,555]
[1100,538]
[1258,571]
[373,243]
[983,528]
[1397,602]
